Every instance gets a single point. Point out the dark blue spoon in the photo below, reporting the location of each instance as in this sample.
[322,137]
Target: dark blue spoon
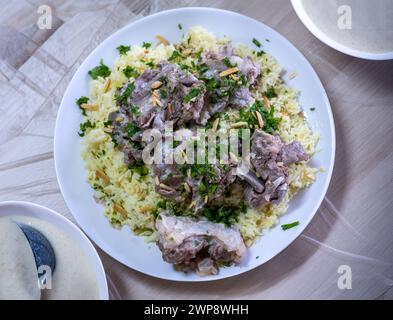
[43,252]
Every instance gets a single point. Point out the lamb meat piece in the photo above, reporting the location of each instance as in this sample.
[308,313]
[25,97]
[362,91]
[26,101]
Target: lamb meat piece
[292,153]
[186,241]
[270,157]
[171,181]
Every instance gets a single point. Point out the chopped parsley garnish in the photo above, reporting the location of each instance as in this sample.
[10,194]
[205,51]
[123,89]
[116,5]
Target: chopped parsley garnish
[146,45]
[100,71]
[180,26]
[130,72]
[260,53]
[81,101]
[123,49]
[212,84]
[312,109]
[270,93]
[289,225]
[150,64]
[84,126]
[139,167]
[256,42]
[223,214]
[135,110]
[163,94]
[176,143]
[267,40]
[126,94]
[193,93]
[202,68]
[228,63]
[132,130]
[176,54]
[270,122]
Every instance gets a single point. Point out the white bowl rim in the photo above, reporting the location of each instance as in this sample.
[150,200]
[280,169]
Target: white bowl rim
[310,25]
[307,64]
[103,295]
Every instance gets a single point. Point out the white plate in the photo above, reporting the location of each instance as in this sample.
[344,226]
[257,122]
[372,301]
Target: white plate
[310,25]
[122,244]
[21,208]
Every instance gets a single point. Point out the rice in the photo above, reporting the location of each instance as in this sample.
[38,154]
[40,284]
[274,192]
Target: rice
[135,194]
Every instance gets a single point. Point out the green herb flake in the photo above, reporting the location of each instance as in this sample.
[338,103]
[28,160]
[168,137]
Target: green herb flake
[146,45]
[163,94]
[256,42]
[100,71]
[180,26]
[312,109]
[289,225]
[175,54]
[84,126]
[270,93]
[135,110]
[228,63]
[193,93]
[126,94]
[130,72]
[132,130]
[81,101]
[123,49]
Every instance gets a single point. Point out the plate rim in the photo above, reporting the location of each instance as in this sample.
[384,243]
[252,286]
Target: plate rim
[307,64]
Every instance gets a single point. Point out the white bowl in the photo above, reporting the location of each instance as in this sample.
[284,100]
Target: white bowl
[310,25]
[132,250]
[21,208]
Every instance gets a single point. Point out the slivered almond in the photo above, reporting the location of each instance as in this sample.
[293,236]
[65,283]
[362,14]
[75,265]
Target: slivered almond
[120,210]
[215,124]
[192,204]
[186,52]
[235,77]
[266,103]
[101,174]
[280,163]
[259,118]
[159,103]
[146,208]
[206,200]
[107,85]
[119,119]
[229,71]
[164,41]
[146,51]
[233,157]
[239,124]
[156,84]
[89,106]
[108,129]
[170,108]
[292,75]
[310,176]
[187,187]
[164,186]
[157,180]
[189,173]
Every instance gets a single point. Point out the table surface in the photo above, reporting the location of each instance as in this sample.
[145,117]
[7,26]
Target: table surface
[353,227]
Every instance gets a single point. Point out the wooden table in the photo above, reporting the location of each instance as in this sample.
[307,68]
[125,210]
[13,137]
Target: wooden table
[353,226]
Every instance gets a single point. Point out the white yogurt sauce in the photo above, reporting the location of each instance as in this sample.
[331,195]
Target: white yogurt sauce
[372,23]
[18,273]
[73,278]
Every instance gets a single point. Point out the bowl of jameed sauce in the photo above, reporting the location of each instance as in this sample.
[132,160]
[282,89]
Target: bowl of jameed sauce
[360,28]
[78,274]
